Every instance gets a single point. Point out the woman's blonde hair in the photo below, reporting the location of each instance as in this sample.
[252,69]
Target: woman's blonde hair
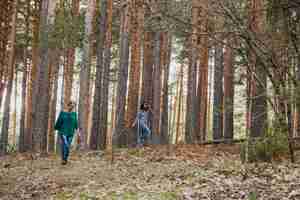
[71,105]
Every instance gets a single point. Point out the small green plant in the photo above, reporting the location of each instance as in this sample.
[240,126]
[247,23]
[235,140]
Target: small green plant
[252,196]
[63,196]
[11,148]
[85,196]
[168,196]
[264,149]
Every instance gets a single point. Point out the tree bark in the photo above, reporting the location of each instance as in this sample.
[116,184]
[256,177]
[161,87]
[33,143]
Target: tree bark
[228,93]
[107,64]
[26,65]
[258,112]
[147,83]
[191,111]
[97,140]
[136,29]
[202,97]
[54,63]
[122,76]
[32,78]
[165,103]
[11,65]
[157,85]
[40,121]
[179,105]
[218,94]
[84,92]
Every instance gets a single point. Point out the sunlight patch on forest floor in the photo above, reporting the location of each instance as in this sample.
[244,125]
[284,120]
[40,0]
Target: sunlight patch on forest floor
[183,172]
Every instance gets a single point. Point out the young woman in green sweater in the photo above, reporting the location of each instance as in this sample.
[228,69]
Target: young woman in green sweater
[66,125]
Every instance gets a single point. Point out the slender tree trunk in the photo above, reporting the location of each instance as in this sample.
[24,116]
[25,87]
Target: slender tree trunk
[33,78]
[11,65]
[107,64]
[54,63]
[218,94]
[258,113]
[6,116]
[70,60]
[22,139]
[23,109]
[175,103]
[122,76]
[97,139]
[113,106]
[14,113]
[165,110]
[84,107]
[157,88]
[202,94]
[40,121]
[136,29]
[228,93]
[179,104]
[147,83]
[191,114]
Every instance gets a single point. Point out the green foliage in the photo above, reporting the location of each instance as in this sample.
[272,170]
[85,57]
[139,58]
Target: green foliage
[252,196]
[68,29]
[85,196]
[11,148]
[264,149]
[63,196]
[168,196]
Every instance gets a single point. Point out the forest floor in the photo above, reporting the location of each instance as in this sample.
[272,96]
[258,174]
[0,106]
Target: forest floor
[189,172]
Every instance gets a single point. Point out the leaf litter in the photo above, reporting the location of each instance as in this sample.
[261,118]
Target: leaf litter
[184,172]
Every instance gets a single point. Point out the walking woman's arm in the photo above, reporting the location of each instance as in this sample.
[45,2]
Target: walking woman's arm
[59,122]
[135,121]
[76,122]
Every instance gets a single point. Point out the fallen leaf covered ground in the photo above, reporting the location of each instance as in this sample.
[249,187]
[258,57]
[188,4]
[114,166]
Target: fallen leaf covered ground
[186,172]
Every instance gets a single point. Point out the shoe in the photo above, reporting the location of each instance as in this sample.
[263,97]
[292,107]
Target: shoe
[64,162]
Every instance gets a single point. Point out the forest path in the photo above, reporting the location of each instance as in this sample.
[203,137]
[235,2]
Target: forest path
[190,172]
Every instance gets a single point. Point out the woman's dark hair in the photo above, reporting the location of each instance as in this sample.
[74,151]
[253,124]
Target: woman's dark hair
[143,107]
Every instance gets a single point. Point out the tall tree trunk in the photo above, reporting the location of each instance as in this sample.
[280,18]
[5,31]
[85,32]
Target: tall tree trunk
[40,121]
[122,75]
[147,83]
[11,65]
[70,60]
[14,113]
[22,139]
[218,94]
[137,15]
[191,114]
[157,85]
[84,107]
[165,103]
[228,93]
[179,104]
[113,106]
[202,96]
[258,112]
[6,116]
[97,137]
[54,64]
[107,63]
[175,103]
[32,78]
[23,106]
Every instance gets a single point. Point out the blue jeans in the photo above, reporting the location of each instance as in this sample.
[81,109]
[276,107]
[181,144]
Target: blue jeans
[143,133]
[65,146]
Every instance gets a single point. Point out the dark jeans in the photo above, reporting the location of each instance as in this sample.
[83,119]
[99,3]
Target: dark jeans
[143,133]
[65,146]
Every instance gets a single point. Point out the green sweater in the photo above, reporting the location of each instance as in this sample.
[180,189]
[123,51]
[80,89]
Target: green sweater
[66,123]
